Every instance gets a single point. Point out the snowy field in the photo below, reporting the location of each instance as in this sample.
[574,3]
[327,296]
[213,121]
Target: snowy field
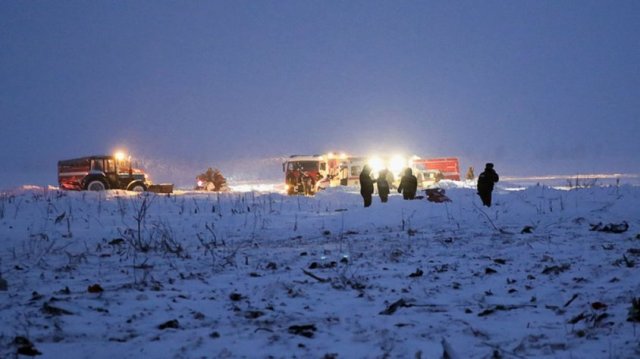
[202,275]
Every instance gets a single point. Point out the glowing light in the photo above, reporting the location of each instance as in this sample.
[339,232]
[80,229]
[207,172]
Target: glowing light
[120,156]
[397,164]
[330,155]
[376,164]
[343,156]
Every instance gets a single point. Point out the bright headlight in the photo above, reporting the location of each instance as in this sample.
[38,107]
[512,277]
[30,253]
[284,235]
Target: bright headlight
[120,156]
[397,163]
[376,164]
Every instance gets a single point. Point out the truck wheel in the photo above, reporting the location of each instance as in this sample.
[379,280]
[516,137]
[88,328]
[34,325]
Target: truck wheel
[96,185]
[138,187]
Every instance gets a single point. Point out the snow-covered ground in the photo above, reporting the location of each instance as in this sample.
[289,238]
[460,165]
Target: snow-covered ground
[248,274]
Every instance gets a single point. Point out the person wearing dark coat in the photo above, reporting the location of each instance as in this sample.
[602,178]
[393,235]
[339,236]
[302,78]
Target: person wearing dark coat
[486,180]
[366,185]
[383,185]
[408,185]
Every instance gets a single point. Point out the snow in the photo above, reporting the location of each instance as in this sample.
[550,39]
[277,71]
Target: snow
[239,271]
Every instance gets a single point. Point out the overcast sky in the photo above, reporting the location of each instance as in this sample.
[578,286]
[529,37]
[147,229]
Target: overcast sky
[537,87]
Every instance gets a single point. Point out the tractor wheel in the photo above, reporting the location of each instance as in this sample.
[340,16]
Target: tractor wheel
[137,187]
[96,185]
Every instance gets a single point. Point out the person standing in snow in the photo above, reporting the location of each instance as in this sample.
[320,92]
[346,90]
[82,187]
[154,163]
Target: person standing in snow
[486,180]
[383,185]
[366,185]
[408,185]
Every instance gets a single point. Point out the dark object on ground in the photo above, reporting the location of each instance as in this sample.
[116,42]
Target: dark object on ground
[611,227]
[174,324]
[598,305]
[306,330]
[116,241]
[436,195]
[447,350]
[28,351]
[51,310]
[253,314]
[634,311]
[395,306]
[527,229]
[316,265]
[502,307]
[60,217]
[3,284]
[556,269]
[25,346]
[96,288]
[571,300]
[417,273]
[319,279]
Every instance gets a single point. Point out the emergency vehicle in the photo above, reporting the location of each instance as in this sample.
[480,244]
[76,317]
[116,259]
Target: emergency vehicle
[432,170]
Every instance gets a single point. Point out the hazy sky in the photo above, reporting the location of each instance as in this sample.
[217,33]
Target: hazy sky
[537,87]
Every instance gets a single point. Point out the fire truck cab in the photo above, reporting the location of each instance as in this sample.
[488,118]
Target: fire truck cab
[303,173]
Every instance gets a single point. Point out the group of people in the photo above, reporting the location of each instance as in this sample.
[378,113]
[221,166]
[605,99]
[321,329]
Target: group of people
[409,185]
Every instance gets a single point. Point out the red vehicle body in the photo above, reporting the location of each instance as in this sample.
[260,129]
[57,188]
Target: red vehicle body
[449,167]
[98,173]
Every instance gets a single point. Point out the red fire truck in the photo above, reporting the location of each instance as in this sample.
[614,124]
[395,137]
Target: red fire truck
[303,173]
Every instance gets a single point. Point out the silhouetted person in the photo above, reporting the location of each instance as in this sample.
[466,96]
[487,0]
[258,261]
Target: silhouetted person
[408,185]
[383,185]
[366,185]
[486,180]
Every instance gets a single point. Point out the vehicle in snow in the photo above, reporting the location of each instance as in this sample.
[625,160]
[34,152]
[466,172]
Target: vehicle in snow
[99,173]
[306,174]
[432,170]
[341,170]
[303,173]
